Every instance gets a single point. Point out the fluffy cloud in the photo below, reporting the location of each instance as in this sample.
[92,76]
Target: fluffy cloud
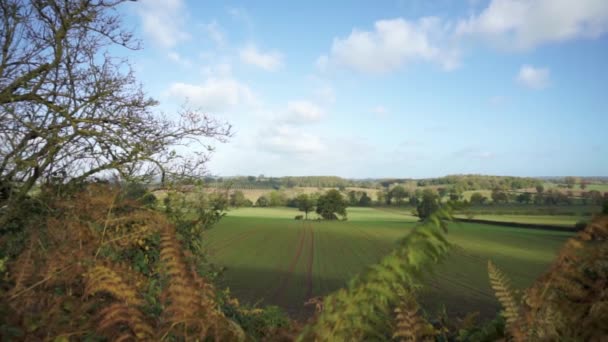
[534,78]
[162,20]
[179,59]
[290,139]
[215,94]
[303,111]
[392,44]
[528,23]
[270,61]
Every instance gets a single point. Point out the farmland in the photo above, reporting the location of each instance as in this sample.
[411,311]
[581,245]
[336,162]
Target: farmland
[270,258]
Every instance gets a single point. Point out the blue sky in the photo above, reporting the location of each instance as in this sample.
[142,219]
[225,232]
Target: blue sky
[386,88]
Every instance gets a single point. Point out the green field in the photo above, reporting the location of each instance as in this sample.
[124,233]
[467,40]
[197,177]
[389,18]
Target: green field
[274,259]
[555,220]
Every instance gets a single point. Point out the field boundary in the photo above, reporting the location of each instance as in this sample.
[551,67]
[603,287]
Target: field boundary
[519,224]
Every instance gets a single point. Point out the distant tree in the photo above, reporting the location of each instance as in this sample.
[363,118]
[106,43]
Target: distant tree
[596,197]
[305,204]
[442,192]
[251,179]
[399,194]
[499,196]
[352,198]
[570,181]
[428,204]
[277,199]
[388,197]
[331,204]
[540,188]
[583,184]
[414,200]
[365,201]
[237,199]
[525,197]
[477,198]
[381,196]
[262,201]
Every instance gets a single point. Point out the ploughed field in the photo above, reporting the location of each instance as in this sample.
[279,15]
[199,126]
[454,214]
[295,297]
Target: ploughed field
[272,259]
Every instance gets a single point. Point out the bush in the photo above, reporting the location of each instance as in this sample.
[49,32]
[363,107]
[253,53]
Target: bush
[299,217]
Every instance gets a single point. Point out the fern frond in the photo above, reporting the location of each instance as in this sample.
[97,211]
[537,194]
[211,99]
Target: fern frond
[24,266]
[115,318]
[104,279]
[355,313]
[409,325]
[501,286]
[191,308]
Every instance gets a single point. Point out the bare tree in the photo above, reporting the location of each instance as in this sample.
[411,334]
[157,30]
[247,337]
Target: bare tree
[69,110]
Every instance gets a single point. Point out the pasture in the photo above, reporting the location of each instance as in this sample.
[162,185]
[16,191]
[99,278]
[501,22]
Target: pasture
[272,259]
[553,220]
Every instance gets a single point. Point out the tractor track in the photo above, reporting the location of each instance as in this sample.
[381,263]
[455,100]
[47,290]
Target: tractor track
[279,293]
[310,262]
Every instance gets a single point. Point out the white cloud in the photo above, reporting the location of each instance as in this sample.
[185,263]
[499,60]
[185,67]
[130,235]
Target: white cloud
[270,61]
[163,21]
[215,94]
[528,23]
[326,94]
[217,70]
[392,44]
[215,33]
[535,78]
[304,111]
[379,111]
[177,58]
[290,139]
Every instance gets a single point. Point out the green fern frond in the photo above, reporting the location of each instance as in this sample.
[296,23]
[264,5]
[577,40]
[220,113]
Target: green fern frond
[355,313]
[501,286]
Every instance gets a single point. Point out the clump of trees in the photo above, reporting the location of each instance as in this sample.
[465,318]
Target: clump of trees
[331,205]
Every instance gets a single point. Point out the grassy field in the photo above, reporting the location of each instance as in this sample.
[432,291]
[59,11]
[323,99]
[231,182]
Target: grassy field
[273,259]
[555,220]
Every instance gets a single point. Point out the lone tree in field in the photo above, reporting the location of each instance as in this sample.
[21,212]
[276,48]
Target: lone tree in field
[331,204]
[305,204]
[69,110]
[428,204]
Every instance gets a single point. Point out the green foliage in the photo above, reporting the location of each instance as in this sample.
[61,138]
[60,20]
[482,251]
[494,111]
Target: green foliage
[262,201]
[493,330]
[428,205]
[305,203]
[399,194]
[331,204]
[365,201]
[237,199]
[477,198]
[359,312]
[258,323]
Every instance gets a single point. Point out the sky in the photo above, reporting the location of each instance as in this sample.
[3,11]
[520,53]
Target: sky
[370,89]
